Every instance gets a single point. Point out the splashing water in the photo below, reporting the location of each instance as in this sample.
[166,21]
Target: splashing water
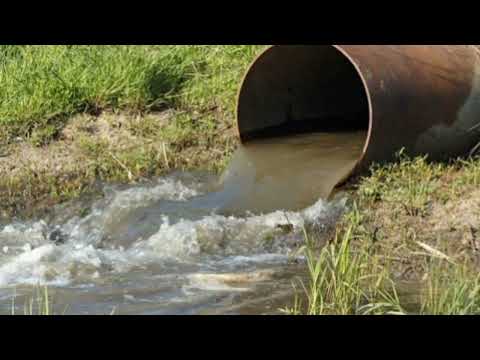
[177,247]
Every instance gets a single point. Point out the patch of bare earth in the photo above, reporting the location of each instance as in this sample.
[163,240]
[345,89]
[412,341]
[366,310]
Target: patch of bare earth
[110,147]
[456,226]
[449,229]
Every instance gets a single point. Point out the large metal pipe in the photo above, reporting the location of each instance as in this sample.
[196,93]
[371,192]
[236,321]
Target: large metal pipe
[423,98]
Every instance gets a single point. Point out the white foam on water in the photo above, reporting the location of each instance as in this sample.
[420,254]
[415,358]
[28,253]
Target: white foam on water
[121,203]
[214,242]
[164,189]
[29,268]
[229,236]
[15,235]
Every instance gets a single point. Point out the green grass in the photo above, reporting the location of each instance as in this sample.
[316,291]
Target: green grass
[344,280]
[451,289]
[38,304]
[408,245]
[410,184]
[42,86]
[348,280]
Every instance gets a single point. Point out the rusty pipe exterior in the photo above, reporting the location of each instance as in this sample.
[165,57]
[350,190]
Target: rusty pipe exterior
[423,98]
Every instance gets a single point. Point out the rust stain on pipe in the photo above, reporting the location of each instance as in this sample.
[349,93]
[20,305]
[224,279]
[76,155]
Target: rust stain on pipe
[424,98]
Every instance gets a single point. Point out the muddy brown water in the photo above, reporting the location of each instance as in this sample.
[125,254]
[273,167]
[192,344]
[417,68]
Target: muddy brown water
[187,243]
[289,172]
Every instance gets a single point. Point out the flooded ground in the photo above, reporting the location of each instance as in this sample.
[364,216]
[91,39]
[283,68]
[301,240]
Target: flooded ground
[186,243]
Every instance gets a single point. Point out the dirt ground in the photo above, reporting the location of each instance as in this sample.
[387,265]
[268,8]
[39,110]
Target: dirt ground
[110,147]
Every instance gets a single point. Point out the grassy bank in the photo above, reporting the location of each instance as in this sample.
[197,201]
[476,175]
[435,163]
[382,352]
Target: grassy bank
[408,245]
[71,115]
[43,86]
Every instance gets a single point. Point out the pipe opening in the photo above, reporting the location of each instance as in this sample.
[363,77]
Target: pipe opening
[302,89]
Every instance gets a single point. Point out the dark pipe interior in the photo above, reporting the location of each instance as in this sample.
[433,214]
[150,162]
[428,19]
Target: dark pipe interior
[301,89]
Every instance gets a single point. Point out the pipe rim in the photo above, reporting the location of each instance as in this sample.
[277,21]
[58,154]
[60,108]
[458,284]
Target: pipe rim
[340,49]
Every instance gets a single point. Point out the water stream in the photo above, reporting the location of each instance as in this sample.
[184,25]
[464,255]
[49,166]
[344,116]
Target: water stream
[187,243]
